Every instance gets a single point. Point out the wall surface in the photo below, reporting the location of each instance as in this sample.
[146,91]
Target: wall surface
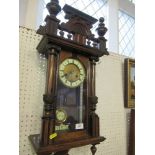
[109,89]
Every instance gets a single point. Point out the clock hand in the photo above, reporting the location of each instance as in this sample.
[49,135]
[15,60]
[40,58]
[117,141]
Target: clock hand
[70,73]
[67,74]
[64,75]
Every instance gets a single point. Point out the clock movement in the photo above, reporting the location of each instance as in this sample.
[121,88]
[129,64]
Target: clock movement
[69,119]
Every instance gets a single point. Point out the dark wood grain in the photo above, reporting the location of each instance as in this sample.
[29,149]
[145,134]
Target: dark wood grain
[68,45]
[62,152]
[46,150]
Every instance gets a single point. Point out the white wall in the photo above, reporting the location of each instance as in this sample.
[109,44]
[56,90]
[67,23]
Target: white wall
[109,89]
[30,13]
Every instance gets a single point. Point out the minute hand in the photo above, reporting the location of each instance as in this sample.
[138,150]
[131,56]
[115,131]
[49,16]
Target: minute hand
[68,74]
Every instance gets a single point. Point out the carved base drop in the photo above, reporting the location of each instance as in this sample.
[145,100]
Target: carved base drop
[93,149]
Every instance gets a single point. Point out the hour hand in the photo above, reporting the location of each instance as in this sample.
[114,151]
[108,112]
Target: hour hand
[64,75]
[68,74]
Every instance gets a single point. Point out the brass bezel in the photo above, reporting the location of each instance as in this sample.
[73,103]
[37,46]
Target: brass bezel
[81,65]
[61,110]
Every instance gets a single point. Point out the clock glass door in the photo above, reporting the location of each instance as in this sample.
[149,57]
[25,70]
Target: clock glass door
[70,111]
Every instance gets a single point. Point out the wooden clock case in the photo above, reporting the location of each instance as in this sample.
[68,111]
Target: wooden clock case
[82,45]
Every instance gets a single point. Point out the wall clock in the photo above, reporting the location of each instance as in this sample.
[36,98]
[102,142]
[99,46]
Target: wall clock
[69,119]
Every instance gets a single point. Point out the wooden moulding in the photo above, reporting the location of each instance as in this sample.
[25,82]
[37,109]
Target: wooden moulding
[46,150]
[69,45]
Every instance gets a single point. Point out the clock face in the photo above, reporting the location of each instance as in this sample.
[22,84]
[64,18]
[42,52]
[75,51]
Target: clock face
[71,72]
[61,115]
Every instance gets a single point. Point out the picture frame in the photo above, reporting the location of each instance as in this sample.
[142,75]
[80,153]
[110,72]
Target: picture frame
[129,78]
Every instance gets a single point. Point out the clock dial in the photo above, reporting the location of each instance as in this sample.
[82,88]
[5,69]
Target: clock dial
[61,115]
[71,73]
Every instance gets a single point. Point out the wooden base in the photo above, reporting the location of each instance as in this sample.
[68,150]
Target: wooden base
[62,152]
[63,148]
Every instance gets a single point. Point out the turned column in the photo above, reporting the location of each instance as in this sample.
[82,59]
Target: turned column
[93,99]
[49,97]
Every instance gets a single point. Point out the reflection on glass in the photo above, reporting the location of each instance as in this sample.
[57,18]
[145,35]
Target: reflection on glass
[70,108]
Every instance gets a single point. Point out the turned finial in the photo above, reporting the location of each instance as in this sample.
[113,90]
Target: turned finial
[101,30]
[53,7]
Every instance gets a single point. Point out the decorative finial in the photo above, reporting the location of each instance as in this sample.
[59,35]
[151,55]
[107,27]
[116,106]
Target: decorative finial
[53,7]
[101,30]
[101,27]
[101,20]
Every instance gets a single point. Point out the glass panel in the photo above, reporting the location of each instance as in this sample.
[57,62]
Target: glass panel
[70,108]
[126,34]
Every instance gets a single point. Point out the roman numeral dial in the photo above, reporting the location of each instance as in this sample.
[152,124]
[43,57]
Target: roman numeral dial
[71,72]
